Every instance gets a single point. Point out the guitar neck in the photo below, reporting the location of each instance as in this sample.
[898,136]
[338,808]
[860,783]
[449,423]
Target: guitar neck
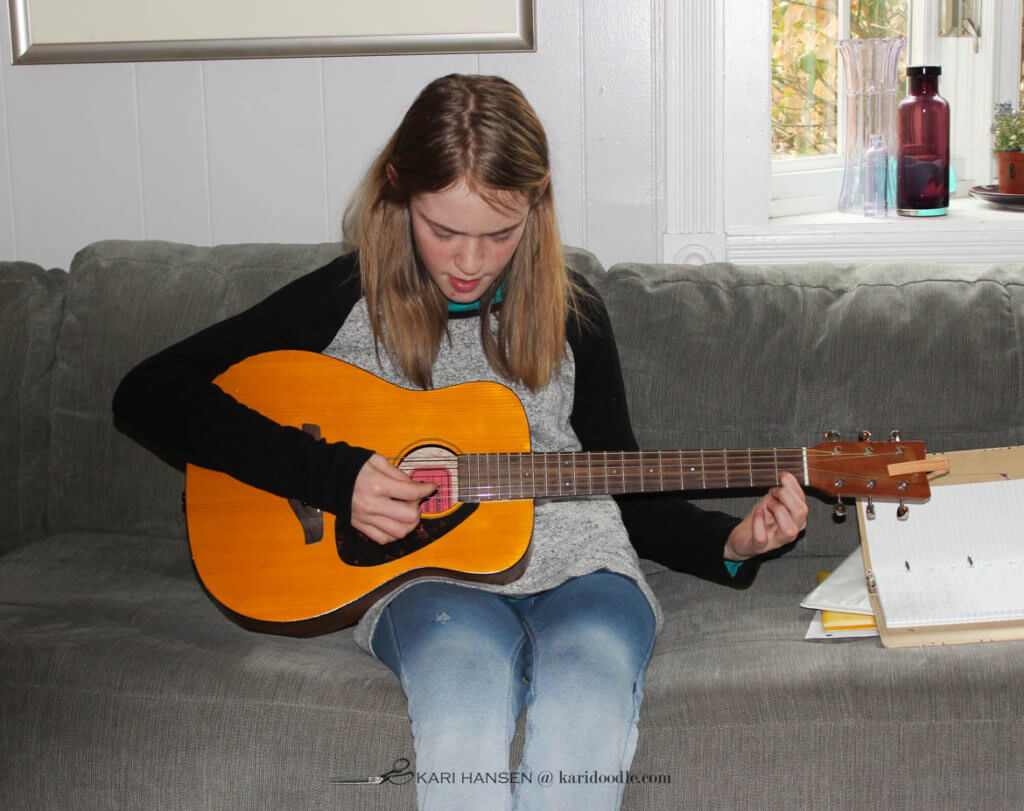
[511,476]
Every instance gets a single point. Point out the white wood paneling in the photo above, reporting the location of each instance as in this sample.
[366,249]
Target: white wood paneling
[620,134]
[270,150]
[172,136]
[8,243]
[74,159]
[265,140]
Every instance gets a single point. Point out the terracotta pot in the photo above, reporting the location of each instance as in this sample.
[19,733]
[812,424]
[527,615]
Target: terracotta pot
[1011,172]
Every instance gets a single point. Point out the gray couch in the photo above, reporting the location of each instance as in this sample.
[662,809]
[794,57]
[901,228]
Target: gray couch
[124,687]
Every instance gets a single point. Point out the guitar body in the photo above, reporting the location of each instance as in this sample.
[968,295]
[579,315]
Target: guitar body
[278,566]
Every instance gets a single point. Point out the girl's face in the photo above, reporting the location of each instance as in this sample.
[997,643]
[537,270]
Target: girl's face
[463,241]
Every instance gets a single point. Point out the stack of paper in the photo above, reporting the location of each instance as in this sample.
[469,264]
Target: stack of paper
[841,604]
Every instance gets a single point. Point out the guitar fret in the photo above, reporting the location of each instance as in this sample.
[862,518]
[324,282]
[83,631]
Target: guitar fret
[750,467]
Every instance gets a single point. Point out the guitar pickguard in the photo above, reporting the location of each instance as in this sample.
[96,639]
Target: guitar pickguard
[355,549]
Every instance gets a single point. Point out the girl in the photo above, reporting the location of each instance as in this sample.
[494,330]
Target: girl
[458,275]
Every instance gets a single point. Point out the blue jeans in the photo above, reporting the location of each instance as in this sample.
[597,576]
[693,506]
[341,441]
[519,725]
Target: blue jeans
[469,661]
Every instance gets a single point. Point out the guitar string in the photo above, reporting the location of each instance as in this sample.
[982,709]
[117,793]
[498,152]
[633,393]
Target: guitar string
[668,454]
[629,474]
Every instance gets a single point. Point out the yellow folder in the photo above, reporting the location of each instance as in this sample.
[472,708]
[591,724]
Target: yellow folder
[844,620]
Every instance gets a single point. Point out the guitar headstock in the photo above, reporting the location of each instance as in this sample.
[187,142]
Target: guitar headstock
[893,470]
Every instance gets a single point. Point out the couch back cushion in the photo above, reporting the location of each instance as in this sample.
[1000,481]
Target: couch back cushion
[31,300]
[721,356]
[127,300]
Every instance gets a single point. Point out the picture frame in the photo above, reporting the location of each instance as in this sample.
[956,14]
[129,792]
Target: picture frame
[69,31]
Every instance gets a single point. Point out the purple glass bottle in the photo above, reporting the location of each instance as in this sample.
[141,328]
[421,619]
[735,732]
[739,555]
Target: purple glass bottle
[922,168]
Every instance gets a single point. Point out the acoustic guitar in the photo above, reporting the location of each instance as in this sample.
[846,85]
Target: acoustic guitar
[277,565]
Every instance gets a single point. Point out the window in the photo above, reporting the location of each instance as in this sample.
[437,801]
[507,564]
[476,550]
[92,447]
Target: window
[807,87]
[806,78]
[722,200]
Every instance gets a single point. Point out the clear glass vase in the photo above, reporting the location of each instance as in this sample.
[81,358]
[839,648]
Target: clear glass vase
[872,95]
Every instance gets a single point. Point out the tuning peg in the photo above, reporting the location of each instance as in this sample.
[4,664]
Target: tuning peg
[864,436]
[901,511]
[832,436]
[869,511]
[894,436]
[839,511]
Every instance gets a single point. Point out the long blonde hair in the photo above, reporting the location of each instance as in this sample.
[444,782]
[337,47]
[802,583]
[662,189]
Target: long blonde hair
[480,130]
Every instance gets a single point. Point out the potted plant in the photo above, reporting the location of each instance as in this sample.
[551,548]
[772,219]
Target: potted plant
[1008,129]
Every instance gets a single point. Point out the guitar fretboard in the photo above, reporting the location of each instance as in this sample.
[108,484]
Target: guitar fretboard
[511,476]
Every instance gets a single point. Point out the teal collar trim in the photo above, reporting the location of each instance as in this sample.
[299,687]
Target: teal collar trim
[455,307]
[473,306]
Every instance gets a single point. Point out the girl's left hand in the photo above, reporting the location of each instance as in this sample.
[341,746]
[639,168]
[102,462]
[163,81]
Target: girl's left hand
[774,521]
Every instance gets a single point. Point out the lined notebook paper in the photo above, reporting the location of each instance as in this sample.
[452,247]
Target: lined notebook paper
[959,558]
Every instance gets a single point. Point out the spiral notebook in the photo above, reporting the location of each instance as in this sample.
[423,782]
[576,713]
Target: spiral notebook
[953,572]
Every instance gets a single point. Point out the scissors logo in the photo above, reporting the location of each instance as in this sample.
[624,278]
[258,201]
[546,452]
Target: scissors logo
[399,773]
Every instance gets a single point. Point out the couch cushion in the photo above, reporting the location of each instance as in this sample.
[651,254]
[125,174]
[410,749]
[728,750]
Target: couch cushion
[31,300]
[123,686]
[127,300]
[724,356]
[120,679]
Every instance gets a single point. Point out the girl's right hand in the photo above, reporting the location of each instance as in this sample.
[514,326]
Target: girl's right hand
[385,501]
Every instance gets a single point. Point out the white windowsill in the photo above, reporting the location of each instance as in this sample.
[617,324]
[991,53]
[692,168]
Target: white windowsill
[974,232]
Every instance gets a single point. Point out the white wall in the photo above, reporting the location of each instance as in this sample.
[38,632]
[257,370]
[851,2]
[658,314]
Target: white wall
[269,150]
